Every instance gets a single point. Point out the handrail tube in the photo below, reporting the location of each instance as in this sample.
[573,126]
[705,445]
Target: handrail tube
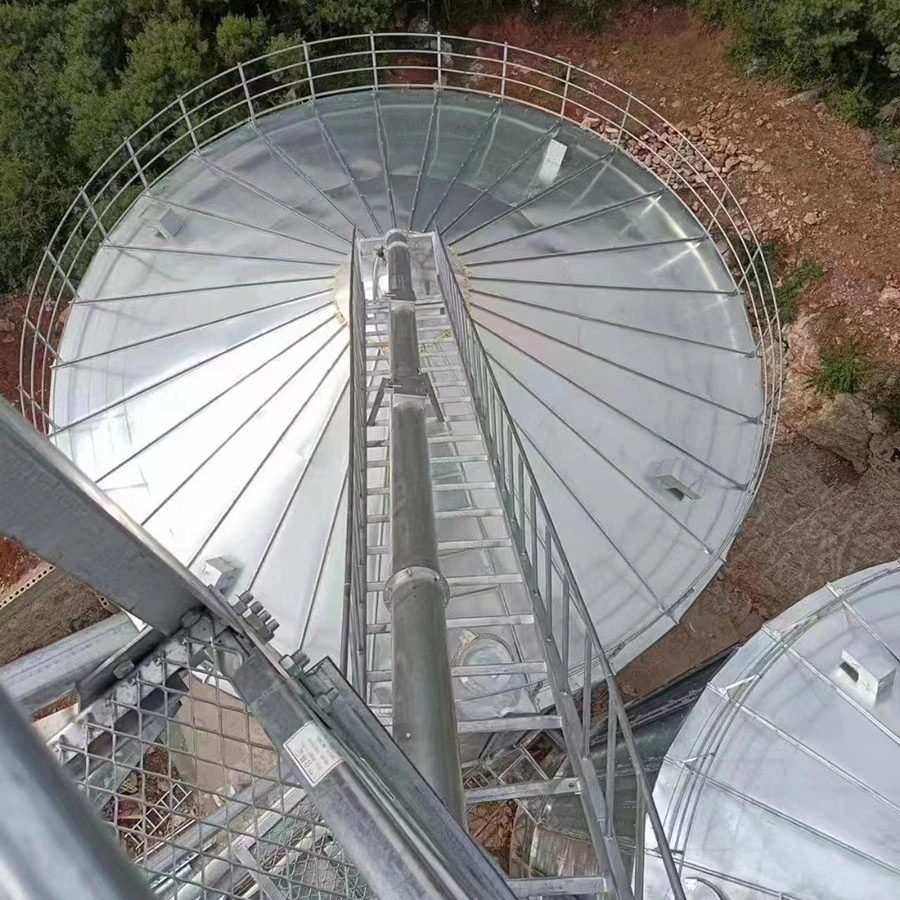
[502,423]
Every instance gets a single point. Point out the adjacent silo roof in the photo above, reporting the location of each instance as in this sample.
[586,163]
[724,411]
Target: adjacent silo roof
[783,782]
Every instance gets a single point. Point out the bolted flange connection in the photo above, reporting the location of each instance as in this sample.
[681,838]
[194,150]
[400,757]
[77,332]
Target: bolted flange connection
[294,663]
[405,582]
[255,615]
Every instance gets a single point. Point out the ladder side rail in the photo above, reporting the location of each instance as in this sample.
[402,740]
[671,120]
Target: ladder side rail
[556,598]
[353,635]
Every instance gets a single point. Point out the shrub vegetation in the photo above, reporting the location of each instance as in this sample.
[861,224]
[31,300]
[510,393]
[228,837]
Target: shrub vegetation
[77,76]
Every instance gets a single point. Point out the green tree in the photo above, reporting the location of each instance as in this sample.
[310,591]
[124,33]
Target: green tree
[77,76]
[850,44]
[239,38]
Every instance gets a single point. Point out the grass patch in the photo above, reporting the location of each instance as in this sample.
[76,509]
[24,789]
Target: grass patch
[790,278]
[843,369]
[851,106]
[791,281]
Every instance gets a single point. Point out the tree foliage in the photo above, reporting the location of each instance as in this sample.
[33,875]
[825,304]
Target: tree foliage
[849,47]
[77,76]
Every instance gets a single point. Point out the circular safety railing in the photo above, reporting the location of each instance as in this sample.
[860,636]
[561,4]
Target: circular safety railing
[392,61]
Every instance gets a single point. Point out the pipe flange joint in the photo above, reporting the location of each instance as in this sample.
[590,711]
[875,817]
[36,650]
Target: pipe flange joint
[395,236]
[410,577]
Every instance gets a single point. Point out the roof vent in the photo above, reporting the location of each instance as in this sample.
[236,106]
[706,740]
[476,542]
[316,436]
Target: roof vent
[869,669]
[552,161]
[163,220]
[680,479]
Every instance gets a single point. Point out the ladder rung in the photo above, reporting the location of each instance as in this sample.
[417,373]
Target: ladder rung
[451,546]
[509,723]
[382,422]
[488,512]
[372,389]
[462,458]
[474,544]
[456,438]
[512,668]
[465,486]
[438,354]
[443,488]
[435,460]
[462,581]
[441,342]
[445,326]
[525,789]
[465,622]
[573,885]
[485,513]
[429,301]
[387,369]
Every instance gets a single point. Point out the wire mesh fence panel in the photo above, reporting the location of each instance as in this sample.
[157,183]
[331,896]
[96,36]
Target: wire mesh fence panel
[195,791]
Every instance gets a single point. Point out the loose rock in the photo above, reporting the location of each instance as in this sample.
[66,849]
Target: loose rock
[890,296]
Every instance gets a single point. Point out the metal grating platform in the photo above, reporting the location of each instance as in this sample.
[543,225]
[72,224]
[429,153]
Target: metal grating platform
[197,793]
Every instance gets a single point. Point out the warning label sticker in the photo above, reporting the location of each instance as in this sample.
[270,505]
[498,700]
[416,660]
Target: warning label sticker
[312,752]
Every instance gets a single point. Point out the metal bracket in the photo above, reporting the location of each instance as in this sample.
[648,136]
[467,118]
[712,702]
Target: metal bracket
[109,672]
[376,403]
[432,396]
[255,615]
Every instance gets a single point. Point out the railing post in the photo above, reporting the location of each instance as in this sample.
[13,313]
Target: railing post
[521,474]
[503,70]
[673,166]
[565,96]
[611,723]
[586,696]
[187,122]
[440,61]
[309,74]
[548,574]
[374,58]
[62,274]
[93,211]
[137,165]
[246,88]
[624,121]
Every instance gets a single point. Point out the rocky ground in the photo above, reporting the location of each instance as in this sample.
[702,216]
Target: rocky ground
[58,605]
[830,502]
[14,561]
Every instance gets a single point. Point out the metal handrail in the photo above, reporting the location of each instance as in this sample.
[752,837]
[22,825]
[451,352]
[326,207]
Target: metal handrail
[318,69]
[552,584]
[311,71]
[355,586]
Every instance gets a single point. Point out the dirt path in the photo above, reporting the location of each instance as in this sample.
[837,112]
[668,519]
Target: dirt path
[809,180]
[810,165]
